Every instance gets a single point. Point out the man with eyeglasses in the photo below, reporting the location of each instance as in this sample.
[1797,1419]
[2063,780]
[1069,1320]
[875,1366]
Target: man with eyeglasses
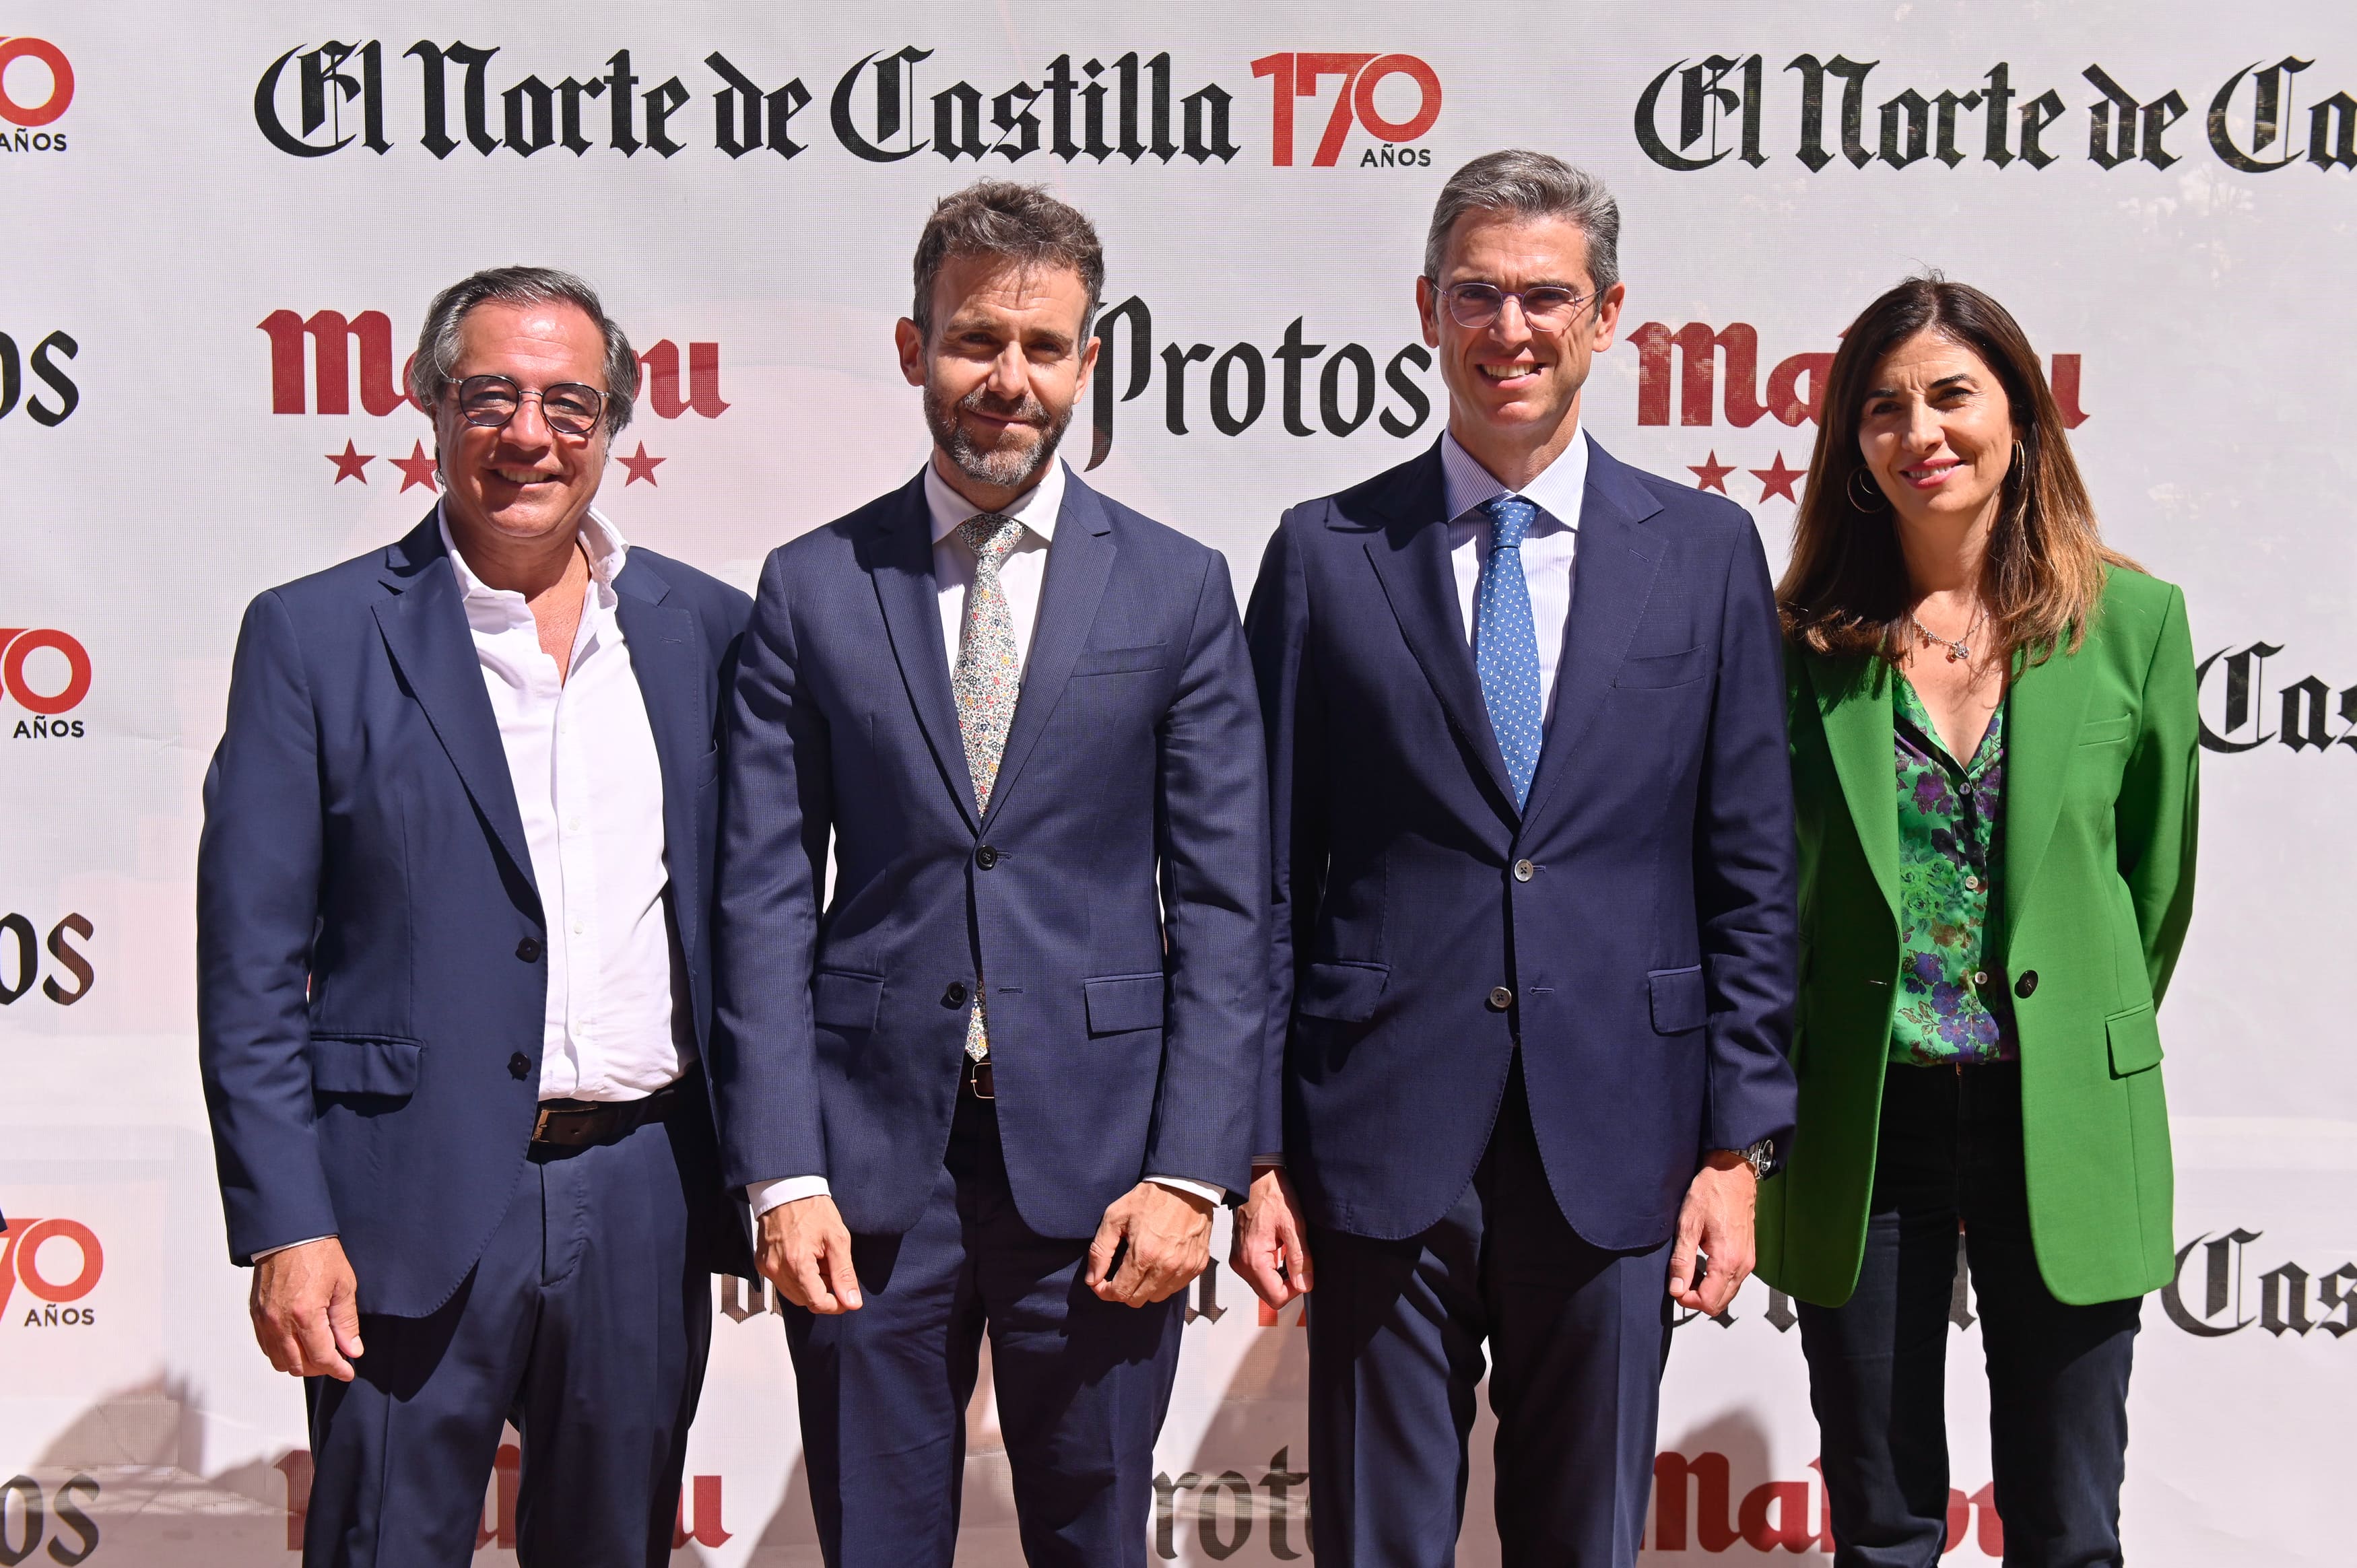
[1534,929]
[452,967]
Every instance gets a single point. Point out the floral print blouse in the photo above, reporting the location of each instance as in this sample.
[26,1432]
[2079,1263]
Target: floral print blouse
[1953,1007]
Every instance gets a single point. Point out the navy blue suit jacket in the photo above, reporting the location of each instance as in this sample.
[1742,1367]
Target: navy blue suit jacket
[1649,950]
[1121,913]
[371,988]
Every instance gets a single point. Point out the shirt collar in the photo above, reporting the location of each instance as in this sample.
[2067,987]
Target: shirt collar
[1557,491]
[1035,509]
[608,551]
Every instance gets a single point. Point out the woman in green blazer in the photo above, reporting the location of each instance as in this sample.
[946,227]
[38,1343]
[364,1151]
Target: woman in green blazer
[1994,739]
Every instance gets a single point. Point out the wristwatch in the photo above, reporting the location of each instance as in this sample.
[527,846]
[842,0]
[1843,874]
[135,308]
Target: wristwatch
[1762,1157]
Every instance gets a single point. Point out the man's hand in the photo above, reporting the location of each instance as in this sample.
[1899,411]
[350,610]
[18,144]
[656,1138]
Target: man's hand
[1272,1247]
[806,1253]
[1715,1221]
[1164,1238]
[306,1308]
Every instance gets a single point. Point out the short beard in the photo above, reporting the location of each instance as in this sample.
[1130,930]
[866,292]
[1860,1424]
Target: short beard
[1008,468]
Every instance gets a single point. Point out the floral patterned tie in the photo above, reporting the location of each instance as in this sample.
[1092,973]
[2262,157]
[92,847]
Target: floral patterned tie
[988,679]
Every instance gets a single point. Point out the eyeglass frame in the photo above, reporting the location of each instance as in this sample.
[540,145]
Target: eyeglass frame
[457,391]
[1446,294]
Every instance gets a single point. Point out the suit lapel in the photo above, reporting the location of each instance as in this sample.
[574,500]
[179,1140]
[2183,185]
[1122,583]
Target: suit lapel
[424,629]
[910,597]
[1853,700]
[1612,577]
[1079,563]
[665,655]
[2044,709]
[1411,559]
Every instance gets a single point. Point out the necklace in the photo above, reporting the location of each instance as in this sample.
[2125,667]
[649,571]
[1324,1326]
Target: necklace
[1959,650]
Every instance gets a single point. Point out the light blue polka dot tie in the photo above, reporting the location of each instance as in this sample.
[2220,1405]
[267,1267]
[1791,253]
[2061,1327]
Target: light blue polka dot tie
[1506,645]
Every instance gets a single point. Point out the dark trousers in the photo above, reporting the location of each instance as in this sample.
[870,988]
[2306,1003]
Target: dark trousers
[1578,1335]
[585,1324]
[1082,1384]
[1951,1151]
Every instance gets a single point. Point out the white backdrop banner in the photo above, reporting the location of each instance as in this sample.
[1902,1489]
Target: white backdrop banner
[224,224]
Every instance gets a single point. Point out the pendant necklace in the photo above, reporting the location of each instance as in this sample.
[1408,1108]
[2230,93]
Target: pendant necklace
[1959,650]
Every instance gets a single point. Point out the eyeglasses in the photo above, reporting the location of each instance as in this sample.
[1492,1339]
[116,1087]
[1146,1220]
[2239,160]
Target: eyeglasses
[569,408]
[1548,308]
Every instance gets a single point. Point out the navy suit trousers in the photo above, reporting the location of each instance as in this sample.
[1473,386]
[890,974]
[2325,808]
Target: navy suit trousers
[585,1323]
[1578,1336]
[1083,1383]
[1950,1150]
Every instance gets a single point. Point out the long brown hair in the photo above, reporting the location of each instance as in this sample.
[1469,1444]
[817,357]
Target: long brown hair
[1845,591]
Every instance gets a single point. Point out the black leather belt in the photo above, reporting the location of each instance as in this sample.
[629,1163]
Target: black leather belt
[578,1124]
[978,1081]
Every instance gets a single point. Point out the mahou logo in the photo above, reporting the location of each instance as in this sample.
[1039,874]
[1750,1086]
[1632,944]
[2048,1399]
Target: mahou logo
[57,1263]
[341,348]
[46,673]
[37,87]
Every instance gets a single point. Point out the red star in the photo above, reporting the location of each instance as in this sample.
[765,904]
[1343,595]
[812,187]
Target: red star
[1710,474]
[349,465]
[640,467]
[417,468]
[1779,480]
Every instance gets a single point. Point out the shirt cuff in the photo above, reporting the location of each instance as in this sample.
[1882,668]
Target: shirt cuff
[764,1196]
[1210,1192]
[289,1246]
[1267,1163]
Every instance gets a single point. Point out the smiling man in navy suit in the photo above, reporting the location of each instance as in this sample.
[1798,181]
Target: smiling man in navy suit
[1534,926]
[452,971]
[995,1077]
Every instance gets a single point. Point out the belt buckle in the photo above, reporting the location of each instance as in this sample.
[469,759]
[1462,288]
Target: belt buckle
[974,1071]
[540,1125]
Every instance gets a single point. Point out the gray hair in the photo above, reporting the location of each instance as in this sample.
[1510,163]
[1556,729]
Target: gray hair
[1532,184]
[437,341]
[1021,223]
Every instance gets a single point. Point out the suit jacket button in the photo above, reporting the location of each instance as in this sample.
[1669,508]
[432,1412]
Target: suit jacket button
[1524,871]
[519,1065]
[985,857]
[528,949]
[955,995]
[2026,985]
[1501,998]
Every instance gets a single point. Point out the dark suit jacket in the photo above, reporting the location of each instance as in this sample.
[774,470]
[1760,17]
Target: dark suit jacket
[1115,895]
[1648,949]
[371,988]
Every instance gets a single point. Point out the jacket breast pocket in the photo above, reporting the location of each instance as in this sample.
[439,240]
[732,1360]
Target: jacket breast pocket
[1119,1004]
[1657,671]
[1676,996]
[1342,993]
[843,1000]
[2134,1038]
[1120,661]
[385,1065]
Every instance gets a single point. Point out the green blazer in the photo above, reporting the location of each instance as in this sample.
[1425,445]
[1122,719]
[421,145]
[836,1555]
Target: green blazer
[2100,804]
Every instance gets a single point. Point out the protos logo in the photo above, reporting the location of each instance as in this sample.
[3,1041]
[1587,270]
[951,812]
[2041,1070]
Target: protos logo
[25,101]
[46,687]
[1362,76]
[59,1262]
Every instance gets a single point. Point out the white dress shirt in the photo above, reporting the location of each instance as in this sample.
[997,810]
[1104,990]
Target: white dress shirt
[1547,552]
[588,785]
[1020,576]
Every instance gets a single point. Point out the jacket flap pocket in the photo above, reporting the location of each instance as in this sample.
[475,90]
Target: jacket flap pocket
[1120,1003]
[1677,997]
[841,1000]
[2134,1039]
[1345,992]
[364,1064]
[1119,661]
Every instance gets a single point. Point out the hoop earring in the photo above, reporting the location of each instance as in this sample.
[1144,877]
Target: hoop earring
[2021,460]
[1876,499]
